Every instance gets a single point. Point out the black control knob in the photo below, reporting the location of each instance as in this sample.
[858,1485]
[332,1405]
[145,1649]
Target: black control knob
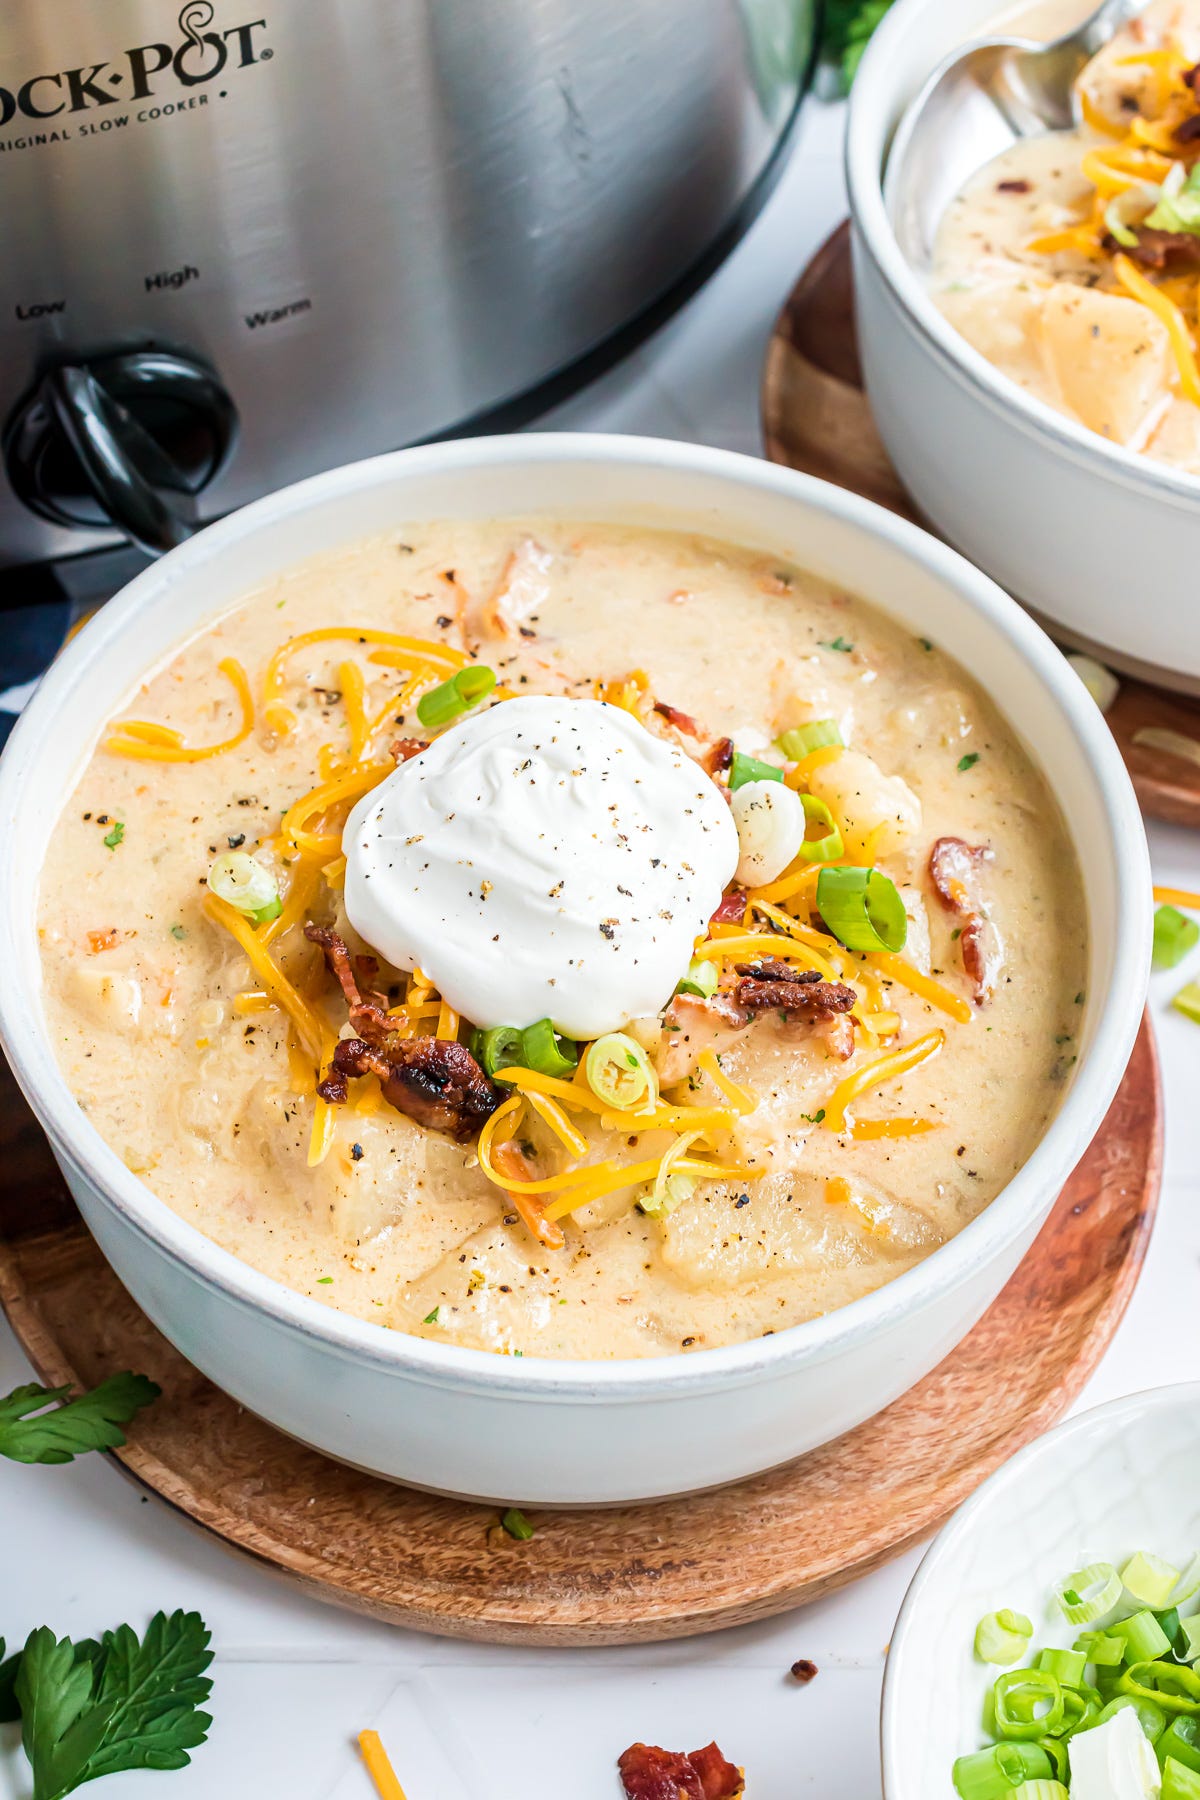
[126,440]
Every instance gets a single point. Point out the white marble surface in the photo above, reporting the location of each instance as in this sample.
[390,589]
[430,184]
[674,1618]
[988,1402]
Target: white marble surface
[81,1550]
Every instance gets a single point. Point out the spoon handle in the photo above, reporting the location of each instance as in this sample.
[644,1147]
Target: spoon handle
[1107,19]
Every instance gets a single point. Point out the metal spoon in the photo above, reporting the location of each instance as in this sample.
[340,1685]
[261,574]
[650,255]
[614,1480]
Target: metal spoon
[975,105]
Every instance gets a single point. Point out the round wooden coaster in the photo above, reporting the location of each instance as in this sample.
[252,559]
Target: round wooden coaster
[629,1574]
[816,419]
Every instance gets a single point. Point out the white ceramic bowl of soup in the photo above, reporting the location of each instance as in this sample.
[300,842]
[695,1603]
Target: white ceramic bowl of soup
[1095,538]
[462,1420]
[1121,1478]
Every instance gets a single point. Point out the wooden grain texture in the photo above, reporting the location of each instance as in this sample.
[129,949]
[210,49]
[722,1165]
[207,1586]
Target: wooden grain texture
[627,1574]
[816,419]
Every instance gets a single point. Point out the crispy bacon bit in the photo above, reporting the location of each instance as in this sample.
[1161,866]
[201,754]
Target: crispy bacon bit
[648,1773]
[732,909]
[1160,250]
[804,1671]
[511,1160]
[404,749]
[433,1080]
[954,869]
[718,757]
[1019,186]
[777,986]
[1190,78]
[680,720]
[107,939]
[1189,131]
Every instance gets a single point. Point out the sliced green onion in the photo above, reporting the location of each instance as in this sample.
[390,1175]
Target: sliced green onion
[745,768]
[1180,1782]
[827,846]
[1081,1707]
[498,1049]
[1039,1790]
[864,911]
[802,740]
[1171,1686]
[245,884]
[543,1050]
[701,978]
[451,699]
[1151,1718]
[1187,1644]
[1126,238]
[1067,1666]
[1028,1703]
[670,1188]
[1187,1001]
[1002,1637]
[1174,935]
[1148,1579]
[1088,1593]
[1101,1650]
[516,1524]
[1056,1750]
[1189,1582]
[992,1773]
[1144,1637]
[618,1072]
[1181,1740]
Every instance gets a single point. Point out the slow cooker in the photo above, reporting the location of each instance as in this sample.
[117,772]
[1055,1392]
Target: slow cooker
[251,239]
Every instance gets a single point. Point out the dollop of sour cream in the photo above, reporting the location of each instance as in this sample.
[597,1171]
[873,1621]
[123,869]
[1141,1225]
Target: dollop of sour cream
[547,858]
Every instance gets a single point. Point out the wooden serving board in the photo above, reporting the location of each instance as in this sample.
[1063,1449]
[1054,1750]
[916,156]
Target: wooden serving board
[633,1573]
[816,419]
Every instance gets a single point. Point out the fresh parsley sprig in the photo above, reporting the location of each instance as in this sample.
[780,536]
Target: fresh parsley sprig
[849,25]
[91,1709]
[41,1425]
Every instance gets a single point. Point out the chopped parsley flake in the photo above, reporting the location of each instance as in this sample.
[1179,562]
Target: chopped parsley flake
[814,1118]
[178,933]
[114,837]
[433,1318]
[839,643]
[968,761]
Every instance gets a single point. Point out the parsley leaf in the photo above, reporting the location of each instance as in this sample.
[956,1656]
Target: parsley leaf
[968,761]
[91,1421]
[839,643]
[113,837]
[9,1710]
[849,25]
[91,1709]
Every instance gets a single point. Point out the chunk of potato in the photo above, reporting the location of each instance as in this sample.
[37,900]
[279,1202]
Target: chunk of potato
[864,801]
[1109,360]
[110,999]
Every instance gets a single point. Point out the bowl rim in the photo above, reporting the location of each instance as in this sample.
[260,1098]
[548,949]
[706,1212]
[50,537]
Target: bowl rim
[1180,1394]
[872,99]
[1016,1208]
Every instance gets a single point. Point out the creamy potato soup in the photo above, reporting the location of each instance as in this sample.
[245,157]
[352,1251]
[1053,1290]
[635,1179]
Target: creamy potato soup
[564,940]
[1072,261]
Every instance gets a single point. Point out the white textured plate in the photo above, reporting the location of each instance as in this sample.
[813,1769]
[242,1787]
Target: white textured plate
[1125,1477]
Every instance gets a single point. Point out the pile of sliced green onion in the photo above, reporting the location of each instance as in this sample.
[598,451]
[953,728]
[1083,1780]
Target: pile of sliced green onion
[862,908]
[537,1047]
[1136,1651]
[245,884]
[451,699]
[701,979]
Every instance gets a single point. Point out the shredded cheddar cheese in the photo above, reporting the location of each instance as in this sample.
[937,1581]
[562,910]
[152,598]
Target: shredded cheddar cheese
[884,1068]
[740,1098]
[139,739]
[311,1031]
[378,1766]
[402,652]
[903,973]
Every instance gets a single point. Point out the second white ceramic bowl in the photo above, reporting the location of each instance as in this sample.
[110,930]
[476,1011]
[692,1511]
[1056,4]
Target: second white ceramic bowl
[1098,541]
[1121,1478]
[461,1420]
